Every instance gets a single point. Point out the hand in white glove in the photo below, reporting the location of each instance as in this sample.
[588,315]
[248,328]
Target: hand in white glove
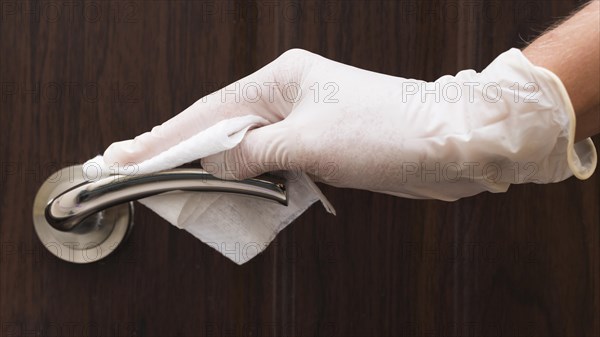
[348,127]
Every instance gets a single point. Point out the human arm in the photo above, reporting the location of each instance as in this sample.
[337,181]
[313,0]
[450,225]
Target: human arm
[572,51]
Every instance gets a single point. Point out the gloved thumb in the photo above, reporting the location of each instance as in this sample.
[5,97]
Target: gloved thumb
[264,149]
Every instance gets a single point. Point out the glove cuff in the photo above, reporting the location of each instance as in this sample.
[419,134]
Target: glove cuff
[581,156]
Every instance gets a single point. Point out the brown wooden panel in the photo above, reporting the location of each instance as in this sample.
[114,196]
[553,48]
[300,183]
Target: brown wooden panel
[75,76]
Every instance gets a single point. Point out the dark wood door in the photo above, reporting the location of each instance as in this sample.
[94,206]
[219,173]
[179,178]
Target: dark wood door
[76,76]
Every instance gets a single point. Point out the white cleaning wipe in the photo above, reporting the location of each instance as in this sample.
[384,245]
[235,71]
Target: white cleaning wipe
[238,226]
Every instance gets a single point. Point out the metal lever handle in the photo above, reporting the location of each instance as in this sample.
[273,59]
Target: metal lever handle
[84,216]
[67,210]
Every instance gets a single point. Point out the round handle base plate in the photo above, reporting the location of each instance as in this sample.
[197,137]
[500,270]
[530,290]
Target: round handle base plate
[95,238]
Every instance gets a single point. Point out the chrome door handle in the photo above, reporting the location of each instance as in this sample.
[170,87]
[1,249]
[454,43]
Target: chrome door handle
[83,221]
[68,209]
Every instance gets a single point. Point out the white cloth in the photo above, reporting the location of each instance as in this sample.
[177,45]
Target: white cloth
[238,226]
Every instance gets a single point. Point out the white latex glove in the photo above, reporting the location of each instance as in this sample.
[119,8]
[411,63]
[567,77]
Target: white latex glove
[455,137]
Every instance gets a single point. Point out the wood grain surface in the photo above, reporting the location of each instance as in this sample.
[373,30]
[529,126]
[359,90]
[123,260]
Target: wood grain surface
[76,76]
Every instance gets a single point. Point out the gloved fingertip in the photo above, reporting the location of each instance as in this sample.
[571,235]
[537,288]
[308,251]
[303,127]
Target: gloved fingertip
[262,150]
[217,166]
